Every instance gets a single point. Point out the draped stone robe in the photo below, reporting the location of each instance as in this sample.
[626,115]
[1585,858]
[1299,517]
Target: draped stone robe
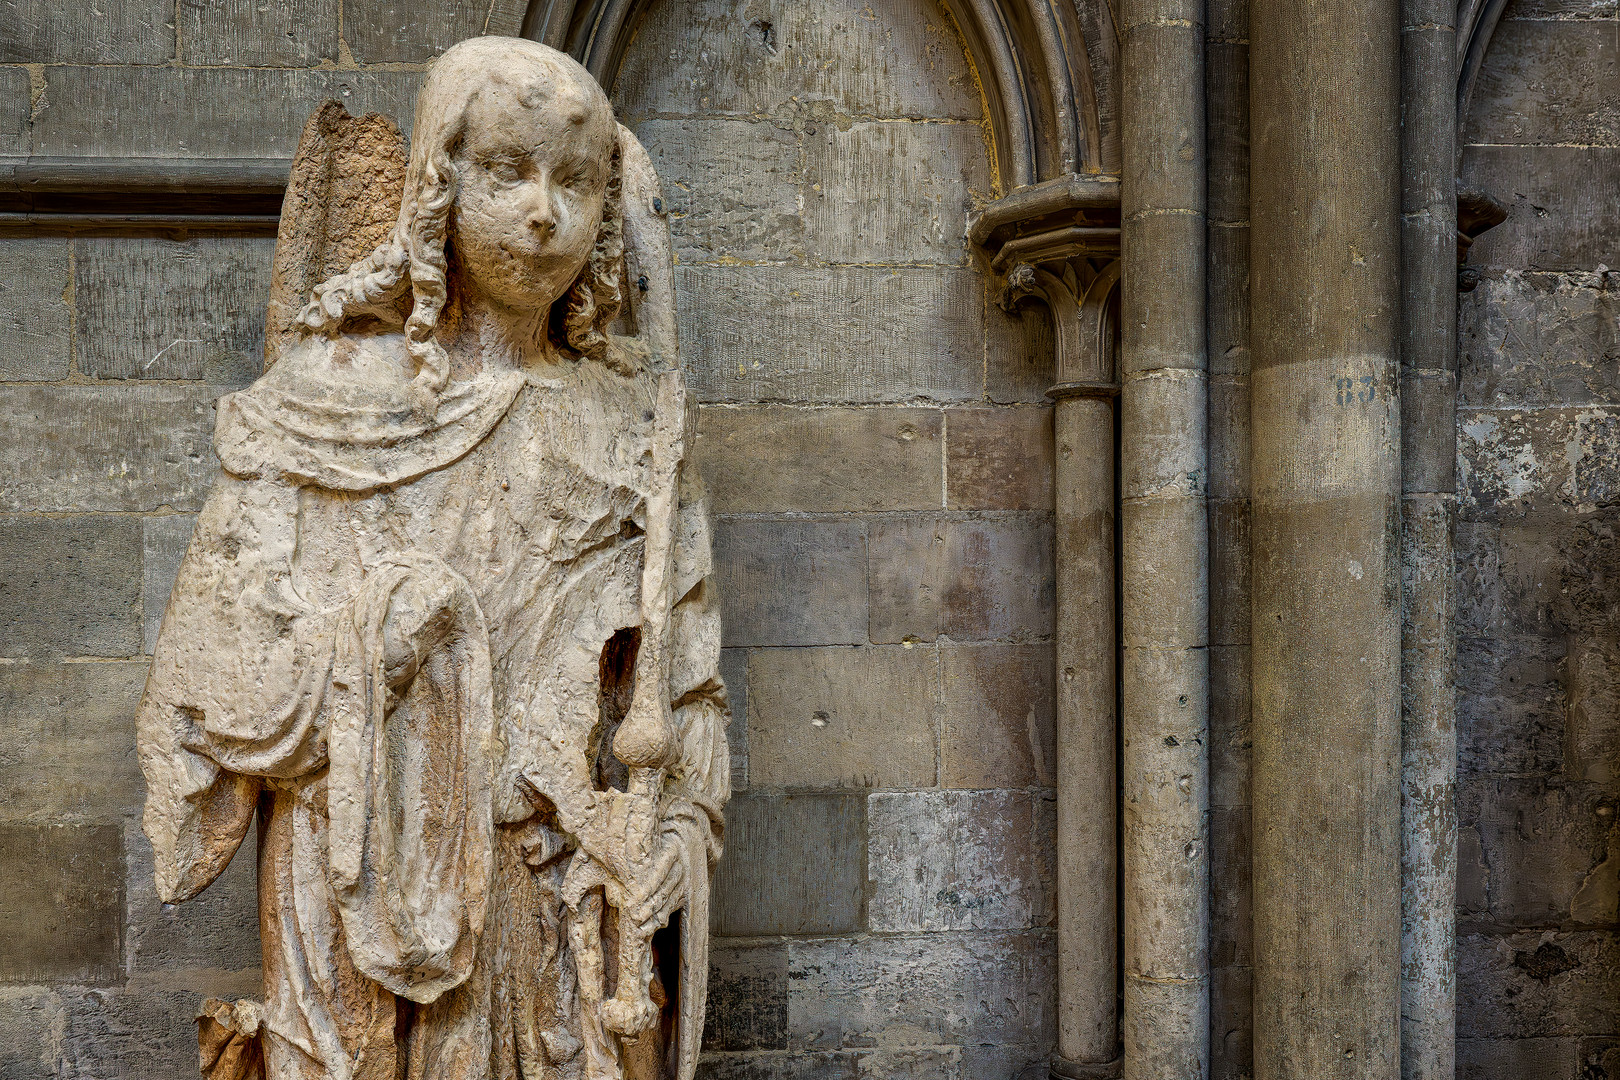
[413,844]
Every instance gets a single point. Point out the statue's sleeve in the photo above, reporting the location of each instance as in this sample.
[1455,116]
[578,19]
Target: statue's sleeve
[701,708]
[237,681]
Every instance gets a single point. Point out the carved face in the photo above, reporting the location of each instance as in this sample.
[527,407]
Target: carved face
[533,167]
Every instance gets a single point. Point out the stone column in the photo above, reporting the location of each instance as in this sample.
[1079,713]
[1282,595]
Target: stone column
[1087,881]
[1326,461]
[1428,506]
[1059,241]
[1164,563]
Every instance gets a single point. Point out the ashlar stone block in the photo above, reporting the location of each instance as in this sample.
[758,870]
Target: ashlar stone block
[998,726]
[969,579]
[1552,224]
[998,459]
[795,864]
[922,990]
[16,107]
[748,995]
[1530,339]
[1510,705]
[69,753]
[841,717]
[1020,353]
[778,58]
[61,901]
[1549,81]
[1537,984]
[164,309]
[70,586]
[35,321]
[218,929]
[893,192]
[289,33]
[960,860]
[122,32]
[203,112]
[834,334]
[395,32]
[732,187]
[791,582]
[773,458]
[108,448]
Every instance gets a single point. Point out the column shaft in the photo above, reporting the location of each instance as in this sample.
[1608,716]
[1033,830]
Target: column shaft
[1164,563]
[1326,474]
[1088,942]
[1428,483]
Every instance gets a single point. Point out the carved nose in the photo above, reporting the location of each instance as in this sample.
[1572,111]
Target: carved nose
[542,215]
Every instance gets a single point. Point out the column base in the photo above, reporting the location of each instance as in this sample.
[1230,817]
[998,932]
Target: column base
[1074,1070]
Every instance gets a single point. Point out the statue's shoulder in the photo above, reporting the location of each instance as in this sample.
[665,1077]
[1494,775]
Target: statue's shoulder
[339,411]
[352,368]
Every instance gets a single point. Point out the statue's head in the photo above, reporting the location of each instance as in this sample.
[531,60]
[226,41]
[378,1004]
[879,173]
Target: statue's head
[512,198]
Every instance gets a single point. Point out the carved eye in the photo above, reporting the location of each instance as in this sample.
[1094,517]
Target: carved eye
[503,173]
[576,179]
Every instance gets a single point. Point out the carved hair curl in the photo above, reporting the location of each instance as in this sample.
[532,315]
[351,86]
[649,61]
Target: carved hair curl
[416,255]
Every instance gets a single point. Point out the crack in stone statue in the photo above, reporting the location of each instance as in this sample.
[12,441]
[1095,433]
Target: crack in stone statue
[446,624]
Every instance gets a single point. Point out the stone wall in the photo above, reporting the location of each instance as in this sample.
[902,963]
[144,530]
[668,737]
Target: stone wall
[1538,550]
[873,431]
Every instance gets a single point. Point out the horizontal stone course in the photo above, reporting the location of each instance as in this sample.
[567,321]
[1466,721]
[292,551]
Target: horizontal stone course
[1510,705]
[1552,224]
[831,334]
[35,319]
[998,459]
[732,187]
[777,58]
[289,33]
[1537,984]
[1547,82]
[770,458]
[1020,353]
[922,990]
[1539,339]
[748,996]
[841,718]
[1548,849]
[121,32]
[70,586]
[889,192]
[202,112]
[108,447]
[217,929]
[393,32]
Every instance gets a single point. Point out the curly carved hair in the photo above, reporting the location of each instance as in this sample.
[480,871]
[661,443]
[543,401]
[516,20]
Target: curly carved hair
[417,254]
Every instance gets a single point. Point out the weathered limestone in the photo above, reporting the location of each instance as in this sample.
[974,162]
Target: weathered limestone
[446,625]
[1325,307]
[1164,556]
[1428,358]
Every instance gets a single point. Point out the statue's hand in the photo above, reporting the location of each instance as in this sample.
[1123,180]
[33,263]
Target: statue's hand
[419,619]
[660,888]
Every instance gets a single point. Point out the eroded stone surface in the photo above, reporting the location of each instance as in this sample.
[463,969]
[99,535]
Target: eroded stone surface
[445,626]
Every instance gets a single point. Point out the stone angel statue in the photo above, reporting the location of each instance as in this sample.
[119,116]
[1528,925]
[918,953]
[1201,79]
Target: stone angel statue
[446,627]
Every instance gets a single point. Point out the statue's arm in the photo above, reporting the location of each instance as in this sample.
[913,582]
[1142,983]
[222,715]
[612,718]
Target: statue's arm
[701,706]
[196,812]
